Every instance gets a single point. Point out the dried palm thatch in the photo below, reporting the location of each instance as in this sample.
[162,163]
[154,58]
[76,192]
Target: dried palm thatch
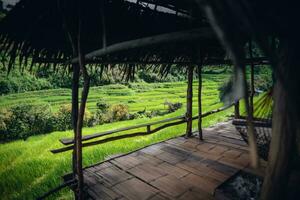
[34,32]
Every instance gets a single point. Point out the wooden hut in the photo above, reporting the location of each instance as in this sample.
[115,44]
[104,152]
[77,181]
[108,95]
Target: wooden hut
[132,33]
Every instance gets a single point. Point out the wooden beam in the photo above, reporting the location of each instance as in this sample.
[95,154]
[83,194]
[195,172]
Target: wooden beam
[189,101]
[256,61]
[182,36]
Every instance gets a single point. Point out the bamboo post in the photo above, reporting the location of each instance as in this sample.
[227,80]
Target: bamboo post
[200,101]
[189,102]
[251,105]
[84,95]
[285,124]
[237,109]
[75,90]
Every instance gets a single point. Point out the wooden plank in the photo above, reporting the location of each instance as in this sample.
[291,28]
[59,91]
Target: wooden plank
[134,189]
[126,162]
[170,158]
[196,194]
[147,172]
[169,170]
[102,192]
[204,183]
[173,170]
[113,175]
[170,185]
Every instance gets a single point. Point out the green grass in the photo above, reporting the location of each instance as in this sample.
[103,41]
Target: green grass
[28,169]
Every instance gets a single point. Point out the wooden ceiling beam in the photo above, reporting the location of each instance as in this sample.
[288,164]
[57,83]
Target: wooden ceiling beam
[175,37]
[248,61]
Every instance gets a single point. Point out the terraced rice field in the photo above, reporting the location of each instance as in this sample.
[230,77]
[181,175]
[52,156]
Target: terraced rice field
[138,96]
[28,169]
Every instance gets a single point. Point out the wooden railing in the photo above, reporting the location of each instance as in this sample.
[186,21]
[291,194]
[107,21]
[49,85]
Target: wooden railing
[172,122]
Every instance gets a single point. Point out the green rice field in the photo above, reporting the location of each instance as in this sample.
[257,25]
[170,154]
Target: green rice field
[28,169]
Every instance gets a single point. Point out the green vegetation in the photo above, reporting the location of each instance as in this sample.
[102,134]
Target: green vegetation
[47,78]
[138,96]
[17,82]
[28,169]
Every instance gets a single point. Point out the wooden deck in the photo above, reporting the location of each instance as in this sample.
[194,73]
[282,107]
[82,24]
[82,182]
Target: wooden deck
[179,168]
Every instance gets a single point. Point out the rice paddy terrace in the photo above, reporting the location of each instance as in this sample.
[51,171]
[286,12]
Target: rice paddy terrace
[28,169]
[138,96]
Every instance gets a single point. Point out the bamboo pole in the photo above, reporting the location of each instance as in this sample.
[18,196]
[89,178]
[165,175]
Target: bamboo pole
[182,36]
[210,61]
[189,101]
[75,90]
[251,104]
[200,102]
[113,138]
[84,96]
[237,109]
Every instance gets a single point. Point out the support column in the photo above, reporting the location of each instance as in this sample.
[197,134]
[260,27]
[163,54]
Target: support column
[251,104]
[84,96]
[237,109]
[200,102]
[189,102]
[286,122]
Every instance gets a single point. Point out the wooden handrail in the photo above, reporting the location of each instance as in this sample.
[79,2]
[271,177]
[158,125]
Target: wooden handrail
[60,150]
[213,111]
[68,141]
[149,131]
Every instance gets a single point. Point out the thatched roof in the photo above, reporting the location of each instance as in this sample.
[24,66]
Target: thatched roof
[37,29]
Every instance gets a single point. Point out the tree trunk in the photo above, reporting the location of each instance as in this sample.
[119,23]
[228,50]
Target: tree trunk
[200,102]
[189,102]
[286,123]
